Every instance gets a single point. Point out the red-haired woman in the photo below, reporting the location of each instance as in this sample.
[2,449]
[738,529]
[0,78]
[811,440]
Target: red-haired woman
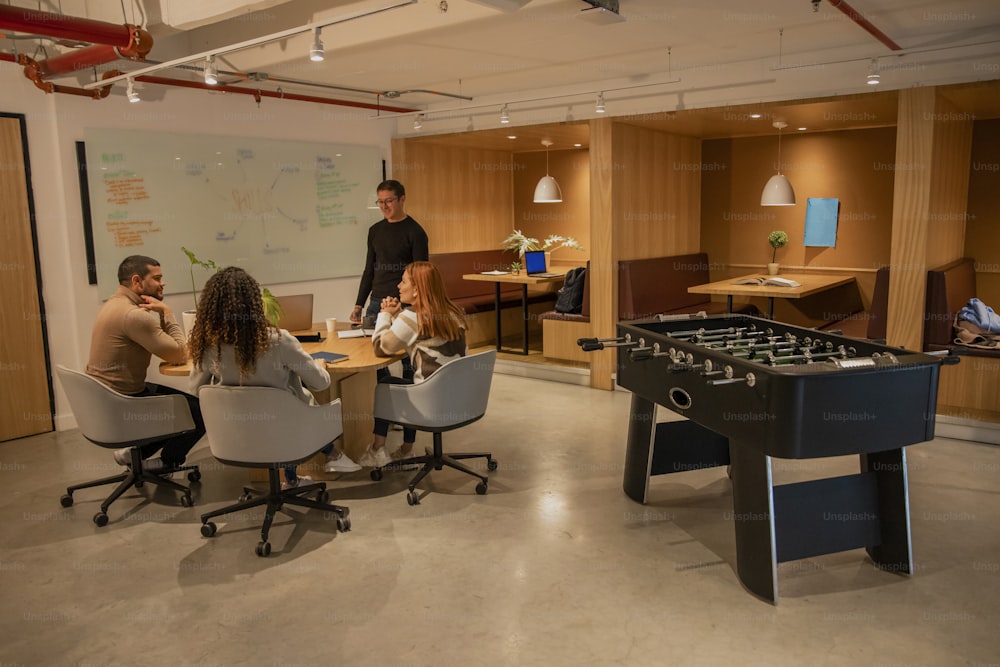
[431,331]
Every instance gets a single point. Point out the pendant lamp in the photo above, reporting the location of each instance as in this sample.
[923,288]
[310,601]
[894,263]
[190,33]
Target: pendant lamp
[547,191]
[778,191]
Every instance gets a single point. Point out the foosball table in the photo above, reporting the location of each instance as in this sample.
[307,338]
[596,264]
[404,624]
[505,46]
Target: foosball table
[753,389]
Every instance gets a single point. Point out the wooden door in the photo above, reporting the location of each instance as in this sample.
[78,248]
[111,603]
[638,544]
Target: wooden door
[25,387]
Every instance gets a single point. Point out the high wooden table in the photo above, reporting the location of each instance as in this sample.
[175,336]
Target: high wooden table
[352,380]
[522,279]
[809,283]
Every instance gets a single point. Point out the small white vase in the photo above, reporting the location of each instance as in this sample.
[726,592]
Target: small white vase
[187,320]
[772,268]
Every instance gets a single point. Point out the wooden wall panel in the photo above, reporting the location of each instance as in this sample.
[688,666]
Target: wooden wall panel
[571,169]
[912,194]
[604,198]
[982,227]
[26,408]
[463,197]
[949,184]
[657,180]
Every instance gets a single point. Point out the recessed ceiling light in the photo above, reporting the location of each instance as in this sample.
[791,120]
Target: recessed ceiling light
[803,128]
[578,145]
[512,136]
[755,116]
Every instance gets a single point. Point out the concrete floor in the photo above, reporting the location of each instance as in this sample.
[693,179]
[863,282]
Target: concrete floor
[555,566]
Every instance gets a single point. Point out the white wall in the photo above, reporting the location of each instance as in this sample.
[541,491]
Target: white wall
[56,122]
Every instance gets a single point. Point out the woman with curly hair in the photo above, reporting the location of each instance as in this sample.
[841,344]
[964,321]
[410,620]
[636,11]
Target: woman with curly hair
[431,331]
[232,343]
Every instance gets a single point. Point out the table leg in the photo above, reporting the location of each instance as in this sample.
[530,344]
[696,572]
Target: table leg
[496,297]
[770,307]
[729,303]
[524,310]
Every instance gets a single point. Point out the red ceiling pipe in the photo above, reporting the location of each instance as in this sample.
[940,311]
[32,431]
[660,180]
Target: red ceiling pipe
[855,16]
[33,72]
[267,93]
[65,27]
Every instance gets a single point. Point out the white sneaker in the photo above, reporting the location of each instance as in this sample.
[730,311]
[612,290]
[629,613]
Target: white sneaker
[375,458]
[341,463]
[301,480]
[123,457]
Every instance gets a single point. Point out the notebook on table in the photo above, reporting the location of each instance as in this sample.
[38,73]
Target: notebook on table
[534,264]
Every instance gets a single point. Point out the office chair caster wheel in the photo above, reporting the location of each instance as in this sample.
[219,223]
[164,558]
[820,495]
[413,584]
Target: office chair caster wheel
[139,483]
[186,501]
[323,497]
[412,498]
[194,476]
[101,519]
[481,488]
[376,475]
[263,549]
[243,497]
[208,529]
[343,524]
[66,501]
[491,465]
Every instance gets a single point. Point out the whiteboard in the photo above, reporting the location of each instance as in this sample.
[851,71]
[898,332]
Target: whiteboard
[286,211]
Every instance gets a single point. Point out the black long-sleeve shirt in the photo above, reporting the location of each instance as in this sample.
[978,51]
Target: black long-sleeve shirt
[391,246]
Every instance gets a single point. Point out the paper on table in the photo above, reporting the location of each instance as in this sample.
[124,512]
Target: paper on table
[495,273]
[350,333]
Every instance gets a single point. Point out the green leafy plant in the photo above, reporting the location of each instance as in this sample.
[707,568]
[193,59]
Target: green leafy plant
[515,267]
[272,309]
[521,244]
[777,239]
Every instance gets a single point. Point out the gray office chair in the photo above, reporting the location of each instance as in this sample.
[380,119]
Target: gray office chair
[114,420]
[454,396]
[264,427]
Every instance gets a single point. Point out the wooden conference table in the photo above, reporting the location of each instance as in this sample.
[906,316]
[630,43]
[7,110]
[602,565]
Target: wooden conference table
[522,279]
[809,283]
[352,380]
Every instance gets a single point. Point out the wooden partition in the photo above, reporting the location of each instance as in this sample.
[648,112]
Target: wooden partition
[463,197]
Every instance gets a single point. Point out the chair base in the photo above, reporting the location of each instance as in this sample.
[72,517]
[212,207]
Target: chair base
[436,461]
[136,476]
[275,498]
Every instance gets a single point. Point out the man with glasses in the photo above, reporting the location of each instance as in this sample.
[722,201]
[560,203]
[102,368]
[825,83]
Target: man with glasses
[393,242]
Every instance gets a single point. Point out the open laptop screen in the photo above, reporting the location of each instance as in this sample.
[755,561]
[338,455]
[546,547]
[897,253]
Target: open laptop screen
[534,262]
[296,312]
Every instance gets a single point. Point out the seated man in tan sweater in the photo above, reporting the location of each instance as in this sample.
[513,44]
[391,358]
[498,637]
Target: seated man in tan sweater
[131,326]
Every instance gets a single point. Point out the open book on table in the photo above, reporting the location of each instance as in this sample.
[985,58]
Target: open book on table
[774,281]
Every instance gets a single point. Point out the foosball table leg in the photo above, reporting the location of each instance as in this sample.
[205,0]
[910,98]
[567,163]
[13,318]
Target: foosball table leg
[753,518]
[894,552]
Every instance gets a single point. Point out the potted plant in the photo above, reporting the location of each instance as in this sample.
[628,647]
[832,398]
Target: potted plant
[515,268]
[272,309]
[521,244]
[777,239]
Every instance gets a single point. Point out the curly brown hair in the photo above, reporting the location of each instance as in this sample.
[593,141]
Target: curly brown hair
[230,312]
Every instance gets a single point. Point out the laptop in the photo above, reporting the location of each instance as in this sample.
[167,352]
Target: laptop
[296,312]
[534,264]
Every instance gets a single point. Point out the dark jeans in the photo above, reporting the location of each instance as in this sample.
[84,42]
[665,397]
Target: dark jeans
[374,306]
[175,448]
[381,425]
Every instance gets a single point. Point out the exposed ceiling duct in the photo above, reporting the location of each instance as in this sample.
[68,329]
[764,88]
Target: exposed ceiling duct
[856,16]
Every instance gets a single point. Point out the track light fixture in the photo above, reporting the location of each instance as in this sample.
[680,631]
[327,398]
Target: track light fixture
[211,75]
[600,103]
[873,76]
[504,115]
[130,93]
[418,122]
[316,53]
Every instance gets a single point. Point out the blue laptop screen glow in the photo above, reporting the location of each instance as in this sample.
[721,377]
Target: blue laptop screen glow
[534,261]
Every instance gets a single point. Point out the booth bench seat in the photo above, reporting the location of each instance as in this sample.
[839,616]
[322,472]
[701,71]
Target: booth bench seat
[658,286]
[970,388]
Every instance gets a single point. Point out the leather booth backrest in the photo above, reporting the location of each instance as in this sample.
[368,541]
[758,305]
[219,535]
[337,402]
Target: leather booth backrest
[949,287]
[880,305]
[659,284]
[453,265]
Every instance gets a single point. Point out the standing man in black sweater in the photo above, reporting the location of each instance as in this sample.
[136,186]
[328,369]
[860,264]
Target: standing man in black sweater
[393,243]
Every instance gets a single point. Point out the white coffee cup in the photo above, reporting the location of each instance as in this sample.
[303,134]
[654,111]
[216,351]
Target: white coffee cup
[331,324]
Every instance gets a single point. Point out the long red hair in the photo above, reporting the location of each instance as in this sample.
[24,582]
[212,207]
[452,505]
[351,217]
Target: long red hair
[437,316]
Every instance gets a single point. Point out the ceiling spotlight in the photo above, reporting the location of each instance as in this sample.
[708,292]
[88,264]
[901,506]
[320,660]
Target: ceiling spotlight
[873,77]
[504,115]
[211,75]
[130,93]
[317,51]
[601,12]
[600,103]
[418,122]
